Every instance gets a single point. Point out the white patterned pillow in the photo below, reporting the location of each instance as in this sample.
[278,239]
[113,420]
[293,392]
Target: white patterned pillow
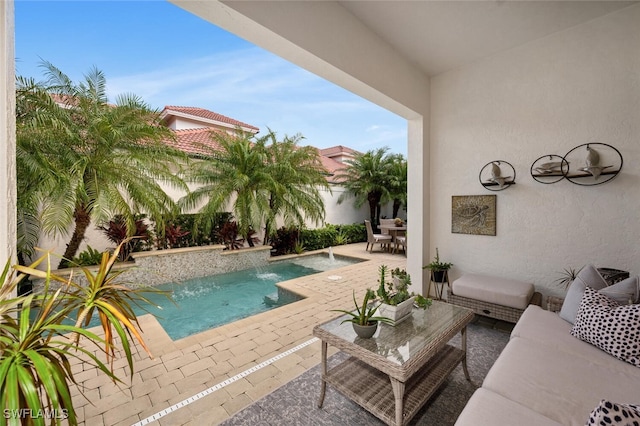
[609,413]
[612,327]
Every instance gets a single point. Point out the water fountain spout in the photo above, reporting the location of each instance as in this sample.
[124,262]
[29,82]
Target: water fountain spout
[331,258]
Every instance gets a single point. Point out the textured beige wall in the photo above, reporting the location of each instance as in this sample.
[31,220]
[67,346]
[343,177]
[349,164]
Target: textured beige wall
[577,86]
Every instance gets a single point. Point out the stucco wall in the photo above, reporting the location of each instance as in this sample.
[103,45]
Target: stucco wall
[577,86]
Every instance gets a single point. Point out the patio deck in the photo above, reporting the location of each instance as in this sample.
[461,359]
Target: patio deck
[217,373]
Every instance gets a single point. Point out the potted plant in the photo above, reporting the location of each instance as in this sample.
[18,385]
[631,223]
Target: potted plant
[398,221]
[438,268]
[396,300]
[363,319]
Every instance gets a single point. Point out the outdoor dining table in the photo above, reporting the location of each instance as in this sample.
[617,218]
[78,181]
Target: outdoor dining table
[394,231]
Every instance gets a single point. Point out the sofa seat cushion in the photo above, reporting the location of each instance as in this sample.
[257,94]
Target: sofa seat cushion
[558,384]
[548,329]
[487,408]
[500,291]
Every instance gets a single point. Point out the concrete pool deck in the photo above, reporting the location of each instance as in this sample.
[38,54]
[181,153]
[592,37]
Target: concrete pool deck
[214,374]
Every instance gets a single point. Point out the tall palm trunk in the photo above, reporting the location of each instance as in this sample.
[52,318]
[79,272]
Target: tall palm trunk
[396,207]
[82,221]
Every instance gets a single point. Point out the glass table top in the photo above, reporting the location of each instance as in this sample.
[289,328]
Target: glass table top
[424,329]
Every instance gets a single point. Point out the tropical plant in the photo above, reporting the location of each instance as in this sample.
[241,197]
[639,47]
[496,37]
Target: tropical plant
[298,178]
[284,240]
[173,236]
[116,231]
[341,239]
[364,313]
[260,182]
[88,257]
[366,179]
[391,294]
[230,236]
[437,265]
[298,248]
[397,184]
[36,346]
[567,276]
[232,173]
[108,158]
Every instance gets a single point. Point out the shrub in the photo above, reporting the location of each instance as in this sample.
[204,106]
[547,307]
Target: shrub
[116,231]
[316,239]
[88,257]
[284,240]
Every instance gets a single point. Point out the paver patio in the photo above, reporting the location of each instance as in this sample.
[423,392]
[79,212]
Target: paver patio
[183,368]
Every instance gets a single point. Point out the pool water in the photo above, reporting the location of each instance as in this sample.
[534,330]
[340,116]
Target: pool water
[208,302]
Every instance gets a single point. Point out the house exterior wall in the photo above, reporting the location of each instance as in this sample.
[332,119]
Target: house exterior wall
[574,87]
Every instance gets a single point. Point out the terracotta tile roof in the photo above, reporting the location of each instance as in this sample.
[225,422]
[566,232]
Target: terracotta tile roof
[194,141]
[337,150]
[207,115]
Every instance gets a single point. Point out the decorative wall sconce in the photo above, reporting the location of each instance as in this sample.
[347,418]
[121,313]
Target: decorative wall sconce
[587,164]
[497,175]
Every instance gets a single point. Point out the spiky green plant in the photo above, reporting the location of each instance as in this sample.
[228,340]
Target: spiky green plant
[365,313]
[37,346]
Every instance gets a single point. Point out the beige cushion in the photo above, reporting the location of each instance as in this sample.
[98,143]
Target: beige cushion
[557,384]
[546,328]
[500,291]
[486,408]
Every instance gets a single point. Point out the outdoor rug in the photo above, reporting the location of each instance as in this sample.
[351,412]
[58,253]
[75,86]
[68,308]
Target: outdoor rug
[295,403]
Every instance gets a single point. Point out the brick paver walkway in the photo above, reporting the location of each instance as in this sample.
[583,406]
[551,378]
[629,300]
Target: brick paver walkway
[183,368]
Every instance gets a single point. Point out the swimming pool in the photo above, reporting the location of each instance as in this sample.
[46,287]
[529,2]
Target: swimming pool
[208,302]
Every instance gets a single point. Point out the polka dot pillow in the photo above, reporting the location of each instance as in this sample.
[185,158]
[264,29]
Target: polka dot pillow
[609,413]
[612,327]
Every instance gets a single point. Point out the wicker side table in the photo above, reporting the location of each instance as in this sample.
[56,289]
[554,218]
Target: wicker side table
[554,304]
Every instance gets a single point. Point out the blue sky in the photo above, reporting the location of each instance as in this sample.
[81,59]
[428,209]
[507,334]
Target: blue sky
[167,56]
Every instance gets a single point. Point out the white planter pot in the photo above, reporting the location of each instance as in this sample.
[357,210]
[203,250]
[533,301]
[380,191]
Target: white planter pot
[397,313]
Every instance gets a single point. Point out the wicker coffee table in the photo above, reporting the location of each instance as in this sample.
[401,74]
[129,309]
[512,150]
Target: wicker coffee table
[393,374]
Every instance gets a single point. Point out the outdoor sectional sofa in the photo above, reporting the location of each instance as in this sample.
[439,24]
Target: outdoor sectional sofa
[577,367]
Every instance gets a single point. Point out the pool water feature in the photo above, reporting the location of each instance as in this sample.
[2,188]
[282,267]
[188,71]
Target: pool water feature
[208,302]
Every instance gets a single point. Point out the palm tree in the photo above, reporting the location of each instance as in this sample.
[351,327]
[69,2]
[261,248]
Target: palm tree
[398,182]
[262,181]
[109,158]
[366,179]
[232,173]
[298,177]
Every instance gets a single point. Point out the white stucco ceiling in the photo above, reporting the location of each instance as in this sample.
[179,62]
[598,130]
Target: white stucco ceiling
[442,35]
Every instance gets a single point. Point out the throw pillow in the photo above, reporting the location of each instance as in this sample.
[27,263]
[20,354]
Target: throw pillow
[587,277]
[609,413]
[612,327]
[624,292]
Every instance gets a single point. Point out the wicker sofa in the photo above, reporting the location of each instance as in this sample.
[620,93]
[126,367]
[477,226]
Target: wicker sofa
[546,376]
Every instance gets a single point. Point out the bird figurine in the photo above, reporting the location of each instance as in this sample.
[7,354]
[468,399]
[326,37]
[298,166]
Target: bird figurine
[592,162]
[550,167]
[496,176]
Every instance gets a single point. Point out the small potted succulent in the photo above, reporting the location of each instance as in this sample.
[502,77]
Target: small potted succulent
[438,268]
[396,300]
[363,319]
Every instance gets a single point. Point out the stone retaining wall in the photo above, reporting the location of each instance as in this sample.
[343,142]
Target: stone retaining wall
[156,267]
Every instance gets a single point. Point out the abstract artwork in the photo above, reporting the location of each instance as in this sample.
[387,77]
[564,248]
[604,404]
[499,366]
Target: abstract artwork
[473,214]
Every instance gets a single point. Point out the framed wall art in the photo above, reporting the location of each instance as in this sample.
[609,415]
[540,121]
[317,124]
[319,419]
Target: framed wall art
[473,214]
